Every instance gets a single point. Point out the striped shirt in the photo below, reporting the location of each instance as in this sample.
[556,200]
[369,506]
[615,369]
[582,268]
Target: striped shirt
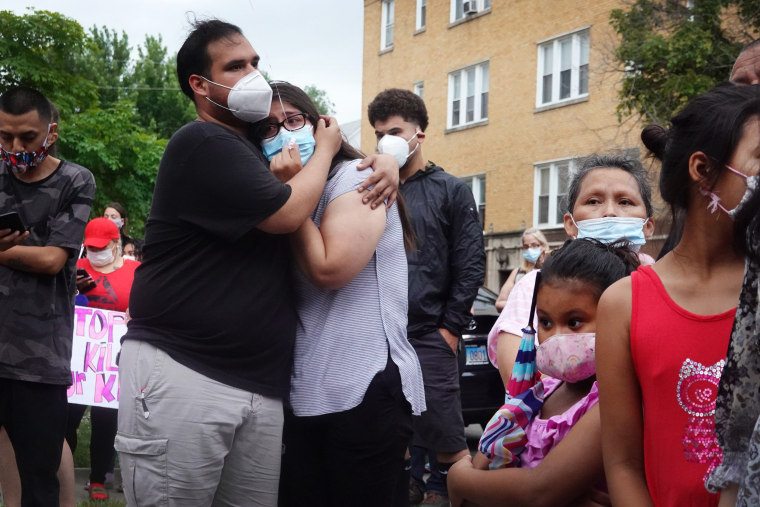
[344,336]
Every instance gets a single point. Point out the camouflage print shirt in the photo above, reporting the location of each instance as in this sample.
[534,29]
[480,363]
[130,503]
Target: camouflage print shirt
[37,311]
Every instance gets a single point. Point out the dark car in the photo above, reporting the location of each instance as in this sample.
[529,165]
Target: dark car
[480,383]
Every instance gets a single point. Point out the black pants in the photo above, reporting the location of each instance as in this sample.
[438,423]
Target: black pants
[34,415]
[104,424]
[349,458]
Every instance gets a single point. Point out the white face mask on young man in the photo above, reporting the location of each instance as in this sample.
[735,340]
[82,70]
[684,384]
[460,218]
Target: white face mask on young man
[250,99]
[397,146]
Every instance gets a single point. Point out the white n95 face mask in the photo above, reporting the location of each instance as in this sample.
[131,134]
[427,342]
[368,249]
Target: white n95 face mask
[397,147]
[250,99]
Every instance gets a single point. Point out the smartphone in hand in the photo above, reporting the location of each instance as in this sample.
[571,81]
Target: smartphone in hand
[85,283]
[12,221]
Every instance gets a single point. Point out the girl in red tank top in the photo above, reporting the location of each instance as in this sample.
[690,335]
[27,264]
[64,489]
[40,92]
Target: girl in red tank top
[662,334]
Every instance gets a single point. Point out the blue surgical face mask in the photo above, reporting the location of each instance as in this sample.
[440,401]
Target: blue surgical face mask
[303,137]
[532,254]
[611,229]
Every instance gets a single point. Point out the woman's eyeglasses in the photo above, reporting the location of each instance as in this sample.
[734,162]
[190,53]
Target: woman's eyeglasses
[291,123]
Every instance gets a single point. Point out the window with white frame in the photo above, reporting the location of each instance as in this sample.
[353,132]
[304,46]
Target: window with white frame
[468,95]
[386,24]
[419,89]
[563,68]
[477,185]
[462,8]
[421,14]
[550,191]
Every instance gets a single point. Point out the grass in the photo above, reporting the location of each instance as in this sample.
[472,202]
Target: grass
[82,454]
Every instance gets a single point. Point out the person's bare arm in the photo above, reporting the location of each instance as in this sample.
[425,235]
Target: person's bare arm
[620,399]
[43,260]
[568,472]
[384,177]
[728,495]
[332,255]
[507,346]
[501,301]
[9,238]
[308,184]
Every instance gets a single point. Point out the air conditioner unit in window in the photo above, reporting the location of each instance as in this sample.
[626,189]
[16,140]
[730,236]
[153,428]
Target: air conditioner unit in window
[470,7]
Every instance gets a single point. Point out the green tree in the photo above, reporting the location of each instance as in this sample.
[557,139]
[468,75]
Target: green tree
[106,62]
[161,105]
[320,99]
[672,52]
[42,50]
[122,155]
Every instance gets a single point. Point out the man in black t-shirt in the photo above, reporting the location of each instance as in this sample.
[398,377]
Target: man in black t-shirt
[206,360]
[52,198]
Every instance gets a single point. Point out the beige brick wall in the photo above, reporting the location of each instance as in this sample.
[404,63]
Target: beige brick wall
[515,137]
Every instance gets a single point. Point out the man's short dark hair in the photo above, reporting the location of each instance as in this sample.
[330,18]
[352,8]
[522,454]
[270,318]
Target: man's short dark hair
[193,57]
[398,102]
[20,100]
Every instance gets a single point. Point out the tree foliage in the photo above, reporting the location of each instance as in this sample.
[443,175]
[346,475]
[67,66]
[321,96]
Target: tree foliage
[106,62]
[161,105]
[42,50]
[122,155]
[672,52]
[115,113]
[320,99]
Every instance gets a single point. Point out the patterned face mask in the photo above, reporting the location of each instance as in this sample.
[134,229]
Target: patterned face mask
[22,161]
[568,357]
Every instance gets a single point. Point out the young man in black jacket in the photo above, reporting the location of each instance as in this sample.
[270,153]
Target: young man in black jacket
[445,272]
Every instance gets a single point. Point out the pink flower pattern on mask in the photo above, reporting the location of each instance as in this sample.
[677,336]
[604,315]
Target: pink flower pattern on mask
[696,391]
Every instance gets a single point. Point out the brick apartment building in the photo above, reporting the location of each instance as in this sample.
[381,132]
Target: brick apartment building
[516,90]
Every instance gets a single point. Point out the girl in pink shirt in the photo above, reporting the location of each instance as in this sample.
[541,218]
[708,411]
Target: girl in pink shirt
[545,447]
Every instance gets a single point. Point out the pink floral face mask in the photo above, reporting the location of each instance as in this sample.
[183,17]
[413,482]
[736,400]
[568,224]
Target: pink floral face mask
[568,357]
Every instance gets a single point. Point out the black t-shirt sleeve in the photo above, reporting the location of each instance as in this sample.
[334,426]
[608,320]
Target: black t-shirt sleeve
[222,182]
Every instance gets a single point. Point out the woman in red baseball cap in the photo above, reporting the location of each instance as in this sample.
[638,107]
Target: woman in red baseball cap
[107,285]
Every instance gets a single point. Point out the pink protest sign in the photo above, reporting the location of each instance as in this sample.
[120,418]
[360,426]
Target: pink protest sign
[94,373]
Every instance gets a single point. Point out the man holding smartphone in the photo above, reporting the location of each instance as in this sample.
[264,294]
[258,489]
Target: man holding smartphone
[52,198]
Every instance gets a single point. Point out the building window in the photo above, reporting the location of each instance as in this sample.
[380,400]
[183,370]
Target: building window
[550,191]
[477,185]
[386,24]
[462,8]
[563,68]
[419,89]
[468,95]
[421,14]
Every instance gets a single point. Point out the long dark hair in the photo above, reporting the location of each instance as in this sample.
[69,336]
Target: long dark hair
[293,95]
[590,262]
[747,227]
[712,123]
